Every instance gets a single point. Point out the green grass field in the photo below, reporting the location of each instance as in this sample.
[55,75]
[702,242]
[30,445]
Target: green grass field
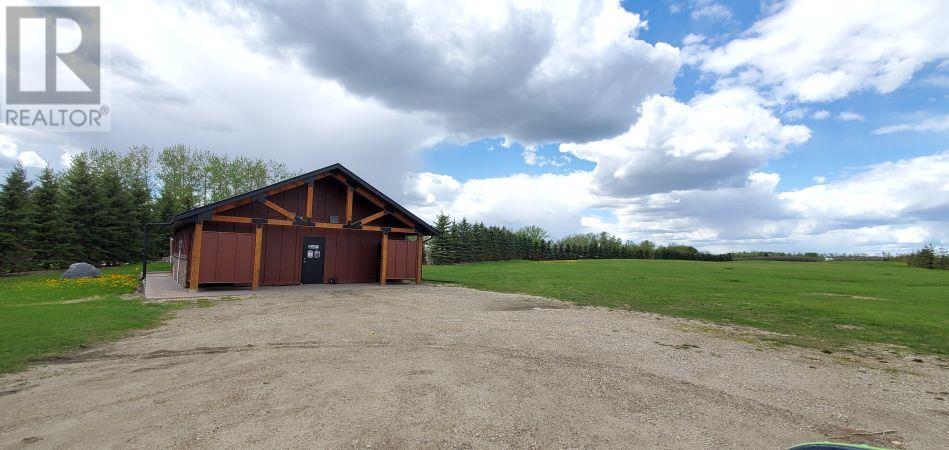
[42,316]
[827,305]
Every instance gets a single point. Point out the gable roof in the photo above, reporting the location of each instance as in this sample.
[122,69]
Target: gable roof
[204,212]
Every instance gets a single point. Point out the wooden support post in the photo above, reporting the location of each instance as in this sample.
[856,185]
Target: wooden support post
[309,200]
[258,240]
[194,276]
[385,256]
[421,250]
[349,204]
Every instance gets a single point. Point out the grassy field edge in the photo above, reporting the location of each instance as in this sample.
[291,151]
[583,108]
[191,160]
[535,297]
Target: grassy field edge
[835,306]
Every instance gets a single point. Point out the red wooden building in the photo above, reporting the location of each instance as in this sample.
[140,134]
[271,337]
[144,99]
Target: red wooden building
[325,226]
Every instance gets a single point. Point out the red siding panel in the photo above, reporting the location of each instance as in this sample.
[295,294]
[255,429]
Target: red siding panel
[226,257]
[329,265]
[288,256]
[293,200]
[246,244]
[271,259]
[401,262]
[352,256]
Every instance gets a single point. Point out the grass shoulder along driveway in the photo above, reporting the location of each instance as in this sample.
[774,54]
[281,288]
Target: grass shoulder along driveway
[42,315]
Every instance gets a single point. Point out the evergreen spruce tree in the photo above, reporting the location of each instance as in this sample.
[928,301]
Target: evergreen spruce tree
[479,243]
[438,251]
[47,222]
[116,237]
[462,241]
[82,206]
[451,243]
[15,246]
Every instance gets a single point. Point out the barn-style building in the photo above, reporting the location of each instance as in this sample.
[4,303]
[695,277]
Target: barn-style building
[325,226]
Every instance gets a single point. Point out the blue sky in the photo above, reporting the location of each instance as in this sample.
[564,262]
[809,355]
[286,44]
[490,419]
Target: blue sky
[835,148]
[791,125]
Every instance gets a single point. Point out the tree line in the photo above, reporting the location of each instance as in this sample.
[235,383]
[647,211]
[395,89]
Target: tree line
[464,242]
[95,210]
[928,257]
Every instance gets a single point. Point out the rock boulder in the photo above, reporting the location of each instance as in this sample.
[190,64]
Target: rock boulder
[81,270]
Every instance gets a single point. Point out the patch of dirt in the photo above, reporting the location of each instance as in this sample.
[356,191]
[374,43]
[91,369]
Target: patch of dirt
[516,306]
[61,302]
[679,346]
[442,366]
[190,351]
[80,300]
[524,303]
[855,297]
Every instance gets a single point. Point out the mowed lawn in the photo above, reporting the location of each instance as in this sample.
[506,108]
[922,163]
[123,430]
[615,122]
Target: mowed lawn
[42,315]
[828,305]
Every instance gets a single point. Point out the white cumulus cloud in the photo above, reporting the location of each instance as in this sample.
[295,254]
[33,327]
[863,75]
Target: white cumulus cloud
[903,191]
[714,140]
[535,71]
[11,154]
[819,51]
[891,206]
[554,201]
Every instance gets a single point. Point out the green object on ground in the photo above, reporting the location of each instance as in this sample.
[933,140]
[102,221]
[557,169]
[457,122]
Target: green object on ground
[827,305]
[833,446]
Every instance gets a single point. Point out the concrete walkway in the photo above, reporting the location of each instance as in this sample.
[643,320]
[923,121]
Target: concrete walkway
[160,286]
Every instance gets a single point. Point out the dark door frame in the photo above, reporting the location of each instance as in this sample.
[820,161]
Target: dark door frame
[313,256]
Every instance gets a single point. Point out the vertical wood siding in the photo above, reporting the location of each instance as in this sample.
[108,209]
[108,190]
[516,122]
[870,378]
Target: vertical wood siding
[401,262]
[352,256]
[226,257]
[330,199]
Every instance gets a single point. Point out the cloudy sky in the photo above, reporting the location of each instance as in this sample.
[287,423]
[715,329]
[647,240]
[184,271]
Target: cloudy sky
[798,125]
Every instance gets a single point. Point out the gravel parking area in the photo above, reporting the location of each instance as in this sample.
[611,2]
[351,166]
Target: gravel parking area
[440,366]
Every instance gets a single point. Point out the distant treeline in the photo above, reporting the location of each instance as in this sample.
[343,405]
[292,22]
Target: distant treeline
[465,242]
[928,257]
[95,210]
[777,256]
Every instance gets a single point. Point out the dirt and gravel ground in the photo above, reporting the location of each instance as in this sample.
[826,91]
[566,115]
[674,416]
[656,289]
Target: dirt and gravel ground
[438,366]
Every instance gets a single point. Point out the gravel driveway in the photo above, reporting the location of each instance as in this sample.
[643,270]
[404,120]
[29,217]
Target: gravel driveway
[439,366]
